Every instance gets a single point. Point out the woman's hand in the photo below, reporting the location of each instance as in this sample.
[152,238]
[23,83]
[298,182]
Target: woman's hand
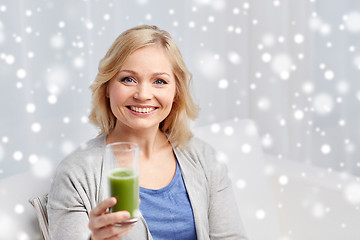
[102,222]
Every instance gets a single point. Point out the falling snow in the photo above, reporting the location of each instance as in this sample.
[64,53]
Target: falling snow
[295,75]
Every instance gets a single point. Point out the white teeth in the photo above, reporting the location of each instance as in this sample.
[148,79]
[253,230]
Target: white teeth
[142,110]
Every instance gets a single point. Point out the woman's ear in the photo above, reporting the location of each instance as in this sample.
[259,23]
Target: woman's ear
[107,89]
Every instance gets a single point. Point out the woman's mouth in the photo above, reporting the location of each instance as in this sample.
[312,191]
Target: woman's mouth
[141,109]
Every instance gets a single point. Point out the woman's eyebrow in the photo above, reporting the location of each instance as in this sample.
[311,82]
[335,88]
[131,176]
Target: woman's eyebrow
[128,71]
[161,73]
[154,74]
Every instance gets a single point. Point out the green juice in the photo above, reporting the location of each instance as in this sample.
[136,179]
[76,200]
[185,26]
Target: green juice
[124,186]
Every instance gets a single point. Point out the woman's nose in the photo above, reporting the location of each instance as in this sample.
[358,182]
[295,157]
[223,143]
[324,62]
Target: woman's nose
[143,92]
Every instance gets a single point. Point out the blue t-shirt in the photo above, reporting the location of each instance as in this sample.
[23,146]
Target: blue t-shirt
[167,211]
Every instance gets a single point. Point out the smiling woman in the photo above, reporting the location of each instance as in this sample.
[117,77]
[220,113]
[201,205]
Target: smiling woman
[143,91]
[142,95]
[113,65]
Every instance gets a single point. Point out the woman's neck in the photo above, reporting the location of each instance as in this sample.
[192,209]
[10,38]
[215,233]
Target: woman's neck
[149,140]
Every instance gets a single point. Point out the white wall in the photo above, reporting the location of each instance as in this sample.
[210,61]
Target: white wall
[291,66]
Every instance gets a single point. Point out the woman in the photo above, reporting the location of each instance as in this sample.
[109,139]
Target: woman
[142,94]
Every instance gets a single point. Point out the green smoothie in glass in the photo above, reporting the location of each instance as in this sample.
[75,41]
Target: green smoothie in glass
[124,186]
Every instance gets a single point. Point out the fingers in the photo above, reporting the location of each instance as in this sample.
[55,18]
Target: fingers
[103,206]
[112,232]
[108,219]
[102,222]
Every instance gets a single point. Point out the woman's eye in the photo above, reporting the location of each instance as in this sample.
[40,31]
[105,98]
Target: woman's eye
[160,82]
[127,80]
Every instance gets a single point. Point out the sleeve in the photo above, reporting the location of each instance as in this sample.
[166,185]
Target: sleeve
[224,218]
[67,210]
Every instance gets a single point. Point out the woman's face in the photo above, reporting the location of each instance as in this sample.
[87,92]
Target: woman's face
[142,92]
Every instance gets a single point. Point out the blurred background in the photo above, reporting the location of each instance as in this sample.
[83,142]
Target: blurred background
[291,67]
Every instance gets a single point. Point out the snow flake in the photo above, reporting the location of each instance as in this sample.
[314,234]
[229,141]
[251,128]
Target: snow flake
[318,210]
[215,128]
[352,193]
[238,30]
[79,62]
[43,168]
[66,120]
[298,114]
[251,129]
[57,79]
[30,107]
[325,149]
[218,5]
[223,83]
[209,66]
[61,24]
[298,38]
[148,17]
[241,183]
[342,87]
[8,226]
[84,119]
[281,63]
[18,156]
[323,103]
[267,141]
[52,99]
[107,17]
[260,214]
[246,148]
[30,54]
[22,236]
[57,41]
[221,157]
[28,30]
[228,130]
[89,25]
[281,39]
[36,127]
[246,5]
[352,21]
[268,40]
[325,29]
[9,59]
[266,57]
[28,13]
[234,58]
[19,209]
[283,180]
[308,87]
[33,158]
[342,122]
[142,2]
[264,104]
[352,49]
[21,73]
[67,147]
[329,75]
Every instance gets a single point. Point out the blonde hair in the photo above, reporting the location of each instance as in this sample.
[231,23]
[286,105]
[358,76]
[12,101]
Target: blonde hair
[176,124]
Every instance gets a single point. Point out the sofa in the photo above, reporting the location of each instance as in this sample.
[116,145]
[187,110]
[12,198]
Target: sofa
[278,199]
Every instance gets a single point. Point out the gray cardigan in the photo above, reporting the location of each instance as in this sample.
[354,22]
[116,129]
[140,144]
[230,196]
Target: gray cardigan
[77,188]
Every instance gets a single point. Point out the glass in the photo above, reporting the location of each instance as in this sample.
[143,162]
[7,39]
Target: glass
[122,168]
